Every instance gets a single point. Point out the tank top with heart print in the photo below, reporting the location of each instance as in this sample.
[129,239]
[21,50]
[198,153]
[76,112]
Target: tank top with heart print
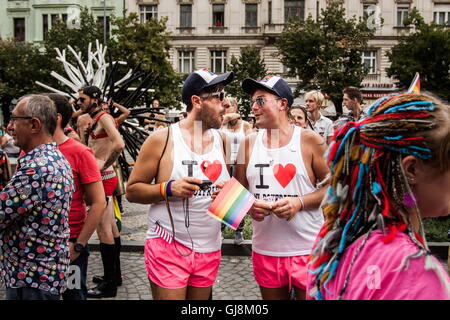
[204,229]
[273,174]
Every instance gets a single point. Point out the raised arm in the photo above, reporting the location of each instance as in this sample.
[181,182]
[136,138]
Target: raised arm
[124,113]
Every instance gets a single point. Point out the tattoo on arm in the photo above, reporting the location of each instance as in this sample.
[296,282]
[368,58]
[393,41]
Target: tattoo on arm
[111,159]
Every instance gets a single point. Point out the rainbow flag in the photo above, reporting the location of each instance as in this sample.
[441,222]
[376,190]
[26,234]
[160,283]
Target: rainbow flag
[231,204]
[415,84]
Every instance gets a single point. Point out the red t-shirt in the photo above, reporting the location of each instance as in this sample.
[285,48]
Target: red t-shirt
[85,170]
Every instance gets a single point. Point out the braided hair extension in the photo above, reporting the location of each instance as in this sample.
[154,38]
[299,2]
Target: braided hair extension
[368,188]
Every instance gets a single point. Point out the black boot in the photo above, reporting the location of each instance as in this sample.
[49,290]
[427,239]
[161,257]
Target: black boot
[118,273]
[118,277]
[108,287]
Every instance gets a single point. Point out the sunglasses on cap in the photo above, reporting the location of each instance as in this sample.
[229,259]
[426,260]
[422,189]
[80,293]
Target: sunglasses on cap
[220,95]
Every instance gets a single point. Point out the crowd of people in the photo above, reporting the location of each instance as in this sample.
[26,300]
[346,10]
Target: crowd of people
[335,202]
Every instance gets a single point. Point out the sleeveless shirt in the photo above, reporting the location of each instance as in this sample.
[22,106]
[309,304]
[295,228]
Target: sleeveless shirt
[204,229]
[273,174]
[236,137]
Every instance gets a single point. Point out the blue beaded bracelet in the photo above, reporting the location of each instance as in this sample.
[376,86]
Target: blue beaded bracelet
[169,188]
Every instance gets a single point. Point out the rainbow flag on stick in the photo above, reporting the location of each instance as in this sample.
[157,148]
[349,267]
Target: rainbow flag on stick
[231,204]
[415,84]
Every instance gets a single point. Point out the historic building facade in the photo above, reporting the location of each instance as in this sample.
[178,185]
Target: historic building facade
[207,33]
[29,20]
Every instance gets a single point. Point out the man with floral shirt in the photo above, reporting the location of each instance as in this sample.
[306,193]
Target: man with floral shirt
[34,205]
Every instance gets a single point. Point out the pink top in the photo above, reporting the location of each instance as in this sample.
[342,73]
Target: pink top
[374,277]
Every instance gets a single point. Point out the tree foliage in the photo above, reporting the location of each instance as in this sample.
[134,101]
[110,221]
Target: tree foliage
[326,54]
[20,65]
[427,51]
[248,65]
[147,44]
[138,44]
[60,35]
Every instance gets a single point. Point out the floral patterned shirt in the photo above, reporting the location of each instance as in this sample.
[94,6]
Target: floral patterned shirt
[34,228]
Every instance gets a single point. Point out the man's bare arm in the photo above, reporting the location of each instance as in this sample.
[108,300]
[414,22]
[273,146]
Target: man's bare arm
[140,188]
[118,145]
[314,142]
[124,113]
[230,117]
[95,197]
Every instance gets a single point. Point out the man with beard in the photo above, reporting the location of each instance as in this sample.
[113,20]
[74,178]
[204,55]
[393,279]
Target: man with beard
[182,250]
[106,142]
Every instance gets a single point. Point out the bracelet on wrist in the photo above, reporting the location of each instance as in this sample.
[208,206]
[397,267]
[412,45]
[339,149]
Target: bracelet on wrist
[162,190]
[169,188]
[302,202]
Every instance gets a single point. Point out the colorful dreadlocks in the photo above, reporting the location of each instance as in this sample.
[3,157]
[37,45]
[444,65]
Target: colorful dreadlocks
[368,188]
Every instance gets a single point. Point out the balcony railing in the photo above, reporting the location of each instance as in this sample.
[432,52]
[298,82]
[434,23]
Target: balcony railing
[270,28]
[252,30]
[185,30]
[372,77]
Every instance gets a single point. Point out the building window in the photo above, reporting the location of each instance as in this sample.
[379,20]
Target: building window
[47,24]
[186,61]
[185,15]
[100,21]
[369,60]
[368,10]
[402,15]
[251,15]
[19,29]
[270,12]
[44,26]
[294,10]
[442,17]
[148,12]
[218,15]
[218,61]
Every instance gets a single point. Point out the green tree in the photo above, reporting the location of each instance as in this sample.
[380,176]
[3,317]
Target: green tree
[248,65]
[147,44]
[20,65]
[60,35]
[427,51]
[326,54]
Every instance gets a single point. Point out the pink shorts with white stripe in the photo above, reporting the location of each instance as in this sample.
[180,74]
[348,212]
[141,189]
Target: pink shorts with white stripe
[168,269]
[277,272]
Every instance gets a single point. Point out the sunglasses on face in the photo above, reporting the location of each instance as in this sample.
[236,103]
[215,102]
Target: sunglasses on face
[261,101]
[14,118]
[220,95]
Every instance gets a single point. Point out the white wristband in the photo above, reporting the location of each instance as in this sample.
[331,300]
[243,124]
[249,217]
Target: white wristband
[303,203]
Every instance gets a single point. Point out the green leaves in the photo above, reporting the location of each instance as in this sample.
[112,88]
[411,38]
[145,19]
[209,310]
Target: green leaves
[427,51]
[325,54]
[249,65]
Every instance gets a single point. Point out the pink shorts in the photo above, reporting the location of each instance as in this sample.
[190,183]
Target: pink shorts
[168,269]
[277,272]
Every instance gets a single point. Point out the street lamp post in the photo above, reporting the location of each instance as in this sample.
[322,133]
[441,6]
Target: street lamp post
[104,22]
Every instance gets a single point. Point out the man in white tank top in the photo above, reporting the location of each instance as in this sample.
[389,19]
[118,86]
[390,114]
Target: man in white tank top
[236,130]
[281,165]
[182,250]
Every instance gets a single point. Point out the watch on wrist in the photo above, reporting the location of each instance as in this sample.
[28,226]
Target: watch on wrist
[78,247]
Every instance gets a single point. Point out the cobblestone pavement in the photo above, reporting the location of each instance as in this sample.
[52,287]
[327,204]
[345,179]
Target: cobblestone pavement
[234,282]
